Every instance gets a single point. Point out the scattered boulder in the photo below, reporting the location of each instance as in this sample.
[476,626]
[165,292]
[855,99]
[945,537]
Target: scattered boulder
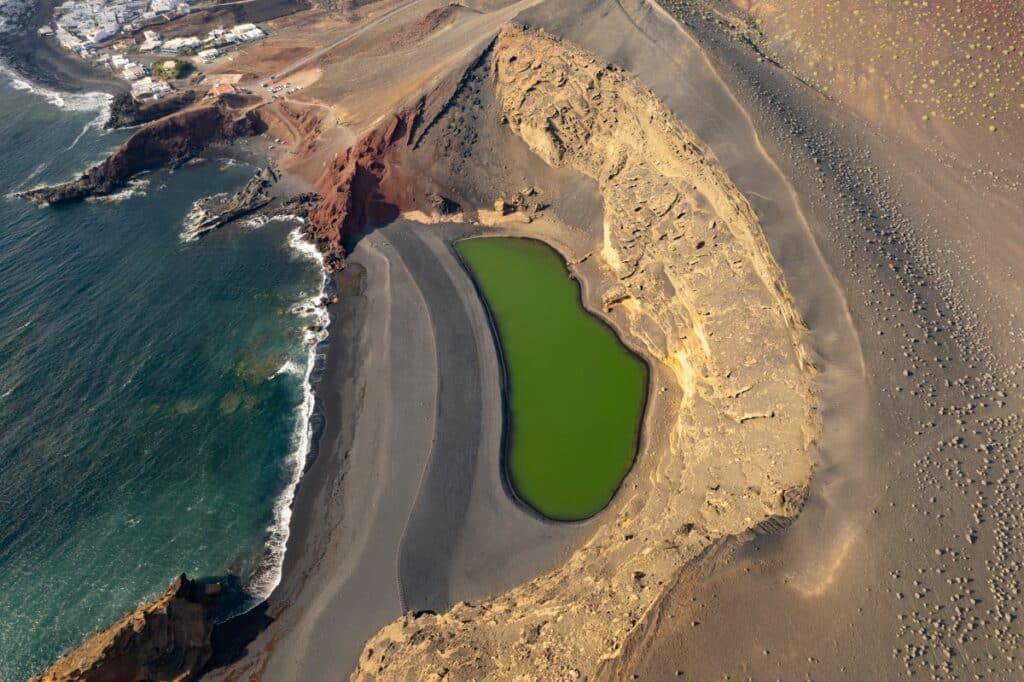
[443,206]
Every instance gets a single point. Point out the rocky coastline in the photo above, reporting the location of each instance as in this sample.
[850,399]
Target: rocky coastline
[217,211]
[665,201]
[167,639]
[168,141]
[126,111]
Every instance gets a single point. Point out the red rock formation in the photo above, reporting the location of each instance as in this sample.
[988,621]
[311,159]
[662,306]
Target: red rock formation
[361,186]
[167,639]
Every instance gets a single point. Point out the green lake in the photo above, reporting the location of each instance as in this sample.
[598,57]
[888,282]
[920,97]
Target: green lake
[575,393]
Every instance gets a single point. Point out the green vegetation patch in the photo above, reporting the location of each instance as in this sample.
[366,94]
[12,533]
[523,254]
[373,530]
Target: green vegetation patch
[171,69]
[575,393]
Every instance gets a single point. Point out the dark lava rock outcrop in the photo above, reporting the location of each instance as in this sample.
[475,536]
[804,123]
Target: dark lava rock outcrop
[217,211]
[126,111]
[167,639]
[169,141]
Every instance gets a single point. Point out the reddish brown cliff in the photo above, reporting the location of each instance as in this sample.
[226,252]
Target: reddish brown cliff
[361,186]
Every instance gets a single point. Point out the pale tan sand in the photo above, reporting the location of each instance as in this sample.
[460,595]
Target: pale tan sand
[907,557]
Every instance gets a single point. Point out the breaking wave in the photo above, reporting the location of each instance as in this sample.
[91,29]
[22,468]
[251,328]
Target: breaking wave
[69,101]
[268,576]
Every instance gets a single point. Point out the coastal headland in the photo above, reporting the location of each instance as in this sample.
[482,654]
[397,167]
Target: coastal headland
[750,238]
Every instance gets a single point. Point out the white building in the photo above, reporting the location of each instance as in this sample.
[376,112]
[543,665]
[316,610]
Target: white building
[245,33]
[152,41]
[96,21]
[208,55]
[166,5]
[181,44]
[147,87]
[133,72]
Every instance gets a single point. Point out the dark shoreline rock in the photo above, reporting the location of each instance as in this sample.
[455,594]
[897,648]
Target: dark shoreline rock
[217,211]
[168,639]
[168,141]
[126,111]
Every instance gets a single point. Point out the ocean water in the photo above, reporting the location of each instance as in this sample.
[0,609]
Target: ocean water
[153,408]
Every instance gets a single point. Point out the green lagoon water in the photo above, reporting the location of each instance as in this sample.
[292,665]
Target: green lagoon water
[575,393]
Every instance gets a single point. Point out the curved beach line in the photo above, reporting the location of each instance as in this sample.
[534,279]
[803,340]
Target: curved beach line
[85,101]
[268,575]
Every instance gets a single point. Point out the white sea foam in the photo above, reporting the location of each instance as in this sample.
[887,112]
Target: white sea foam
[135,188]
[254,221]
[13,194]
[302,247]
[269,574]
[258,220]
[191,228]
[86,128]
[288,367]
[35,173]
[84,101]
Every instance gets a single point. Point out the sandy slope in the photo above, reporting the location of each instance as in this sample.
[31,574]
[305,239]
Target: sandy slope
[680,268]
[906,558]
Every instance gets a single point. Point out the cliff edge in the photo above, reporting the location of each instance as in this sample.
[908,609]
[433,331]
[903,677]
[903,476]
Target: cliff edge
[167,639]
[167,141]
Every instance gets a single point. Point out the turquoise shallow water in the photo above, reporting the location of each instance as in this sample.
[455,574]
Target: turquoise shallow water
[150,390]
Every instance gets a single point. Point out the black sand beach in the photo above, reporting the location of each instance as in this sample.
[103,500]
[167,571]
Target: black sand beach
[404,508]
[41,60]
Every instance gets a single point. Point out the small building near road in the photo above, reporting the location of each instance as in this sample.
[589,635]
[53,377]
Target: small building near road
[147,87]
[220,89]
[246,32]
[181,44]
[133,72]
[208,55]
[152,41]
